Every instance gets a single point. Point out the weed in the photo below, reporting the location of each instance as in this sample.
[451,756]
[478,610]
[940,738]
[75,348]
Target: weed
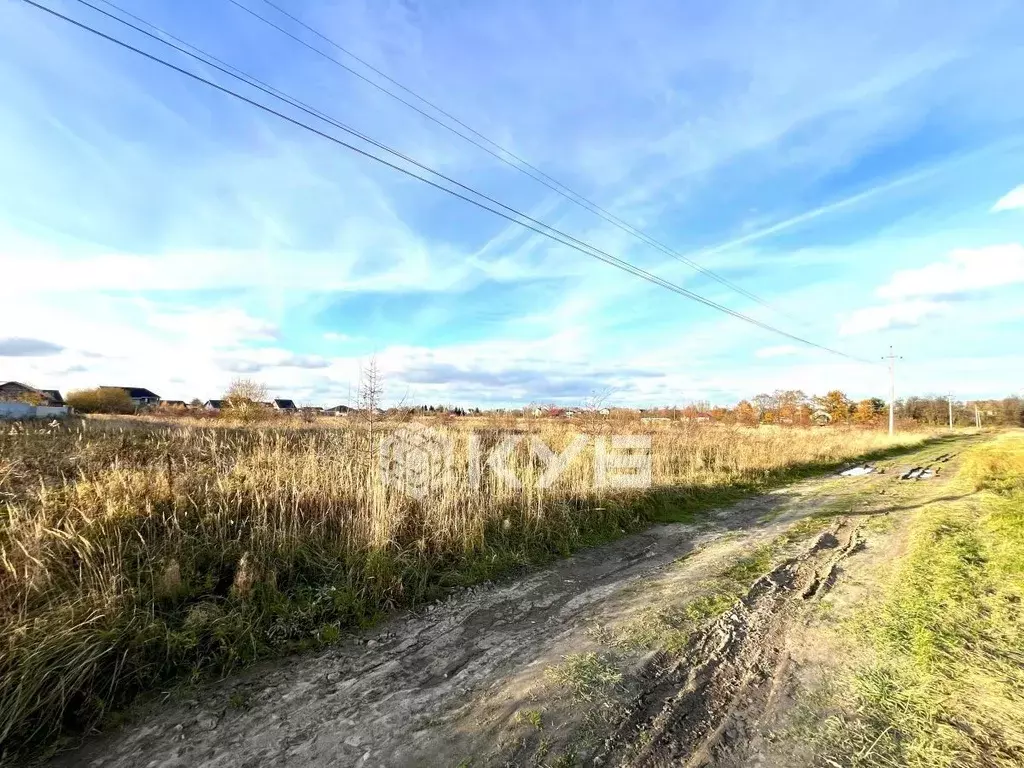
[530,717]
[585,675]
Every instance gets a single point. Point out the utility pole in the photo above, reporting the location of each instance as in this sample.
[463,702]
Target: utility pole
[892,358]
[949,401]
[977,416]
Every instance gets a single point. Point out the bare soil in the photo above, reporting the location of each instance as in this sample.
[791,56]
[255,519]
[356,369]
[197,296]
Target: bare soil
[464,682]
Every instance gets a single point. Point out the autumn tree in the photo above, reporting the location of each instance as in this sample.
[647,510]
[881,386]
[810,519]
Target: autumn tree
[836,404]
[791,407]
[767,408]
[244,400]
[746,414]
[865,412]
[101,400]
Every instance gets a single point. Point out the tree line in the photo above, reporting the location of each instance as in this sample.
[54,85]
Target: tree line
[796,408]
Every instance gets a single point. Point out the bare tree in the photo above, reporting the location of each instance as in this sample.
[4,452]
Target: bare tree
[591,410]
[368,399]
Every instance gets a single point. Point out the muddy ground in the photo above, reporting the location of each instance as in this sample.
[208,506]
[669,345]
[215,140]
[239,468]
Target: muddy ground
[676,646]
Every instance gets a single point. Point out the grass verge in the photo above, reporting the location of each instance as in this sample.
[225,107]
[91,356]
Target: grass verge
[942,677]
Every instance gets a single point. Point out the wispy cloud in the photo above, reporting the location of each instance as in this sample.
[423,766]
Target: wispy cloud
[1011,201]
[184,239]
[963,271]
[901,315]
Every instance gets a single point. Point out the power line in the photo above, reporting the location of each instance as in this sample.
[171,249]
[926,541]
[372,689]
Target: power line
[515,217]
[502,154]
[209,59]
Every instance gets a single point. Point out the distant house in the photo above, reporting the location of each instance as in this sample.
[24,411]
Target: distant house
[17,392]
[338,410]
[213,405]
[140,396]
[284,405]
[20,401]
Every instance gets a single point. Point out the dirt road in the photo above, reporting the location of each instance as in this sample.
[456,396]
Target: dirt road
[669,647]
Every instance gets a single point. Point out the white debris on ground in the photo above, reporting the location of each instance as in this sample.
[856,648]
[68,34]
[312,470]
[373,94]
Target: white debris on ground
[866,469]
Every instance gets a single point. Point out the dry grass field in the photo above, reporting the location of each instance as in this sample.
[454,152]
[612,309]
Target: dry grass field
[135,553]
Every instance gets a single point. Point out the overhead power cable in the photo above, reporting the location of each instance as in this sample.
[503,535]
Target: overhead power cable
[513,216]
[499,152]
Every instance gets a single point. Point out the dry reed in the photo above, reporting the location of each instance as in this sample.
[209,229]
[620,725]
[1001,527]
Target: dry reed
[133,554]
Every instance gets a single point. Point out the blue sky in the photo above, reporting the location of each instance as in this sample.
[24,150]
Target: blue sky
[860,169]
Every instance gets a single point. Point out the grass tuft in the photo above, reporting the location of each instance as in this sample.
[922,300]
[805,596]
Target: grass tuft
[585,675]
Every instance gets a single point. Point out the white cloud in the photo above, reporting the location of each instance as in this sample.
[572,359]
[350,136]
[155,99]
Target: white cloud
[780,351]
[1011,200]
[333,336]
[963,271]
[905,314]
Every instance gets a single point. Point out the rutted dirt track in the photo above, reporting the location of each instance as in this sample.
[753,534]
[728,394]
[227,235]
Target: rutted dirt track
[701,706]
[444,686]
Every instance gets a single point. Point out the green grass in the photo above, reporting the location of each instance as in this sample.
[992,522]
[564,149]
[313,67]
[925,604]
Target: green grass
[585,675]
[531,717]
[943,680]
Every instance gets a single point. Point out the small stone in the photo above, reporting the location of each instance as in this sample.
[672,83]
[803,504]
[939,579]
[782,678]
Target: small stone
[333,677]
[206,722]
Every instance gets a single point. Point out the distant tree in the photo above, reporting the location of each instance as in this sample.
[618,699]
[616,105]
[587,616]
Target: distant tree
[196,403]
[101,400]
[865,412]
[767,407]
[746,414]
[31,397]
[836,404]
[244,400]
[792,407]
[368,400]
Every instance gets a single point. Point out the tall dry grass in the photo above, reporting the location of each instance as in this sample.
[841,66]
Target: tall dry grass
[133,554]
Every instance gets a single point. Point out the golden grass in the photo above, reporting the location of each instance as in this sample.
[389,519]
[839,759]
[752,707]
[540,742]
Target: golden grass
[134,553]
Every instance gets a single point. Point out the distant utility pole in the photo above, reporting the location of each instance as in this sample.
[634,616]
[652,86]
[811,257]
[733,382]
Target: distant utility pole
[949,401]
[977,416]
[892,358]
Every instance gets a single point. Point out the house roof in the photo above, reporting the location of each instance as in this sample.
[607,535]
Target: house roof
[214,403]
[50,394]
[53,394]
[136,393]
[284,404]
[339,409]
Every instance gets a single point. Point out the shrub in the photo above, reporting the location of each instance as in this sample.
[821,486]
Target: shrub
[101,400]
